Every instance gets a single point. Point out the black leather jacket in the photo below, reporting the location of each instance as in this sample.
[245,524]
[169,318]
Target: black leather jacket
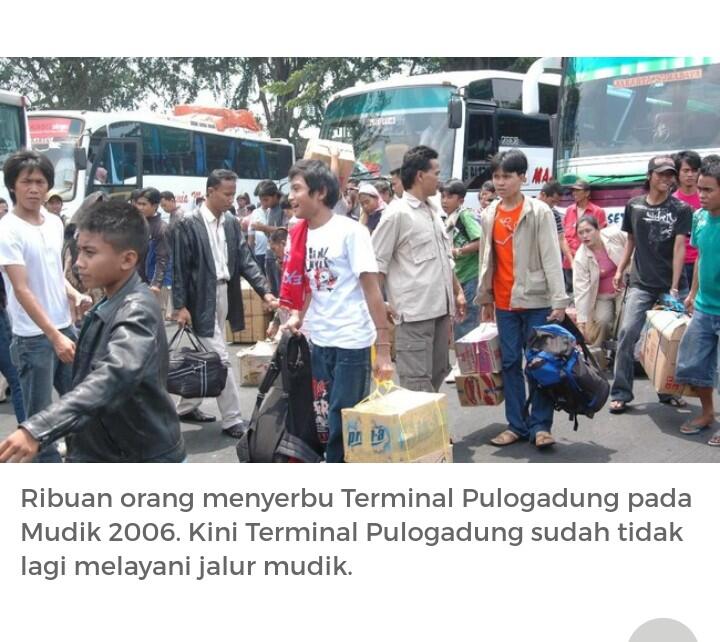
[194,277]
[119,409]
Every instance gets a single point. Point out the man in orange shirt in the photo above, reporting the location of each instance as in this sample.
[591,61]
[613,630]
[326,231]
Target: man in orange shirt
[521,286]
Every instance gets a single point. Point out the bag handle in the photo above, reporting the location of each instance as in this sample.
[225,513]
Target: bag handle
[570,326]
[195,341]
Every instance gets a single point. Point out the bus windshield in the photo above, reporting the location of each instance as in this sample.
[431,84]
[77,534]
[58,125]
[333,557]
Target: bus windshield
[57,137]
[383,124]
[11,131]
[638,105]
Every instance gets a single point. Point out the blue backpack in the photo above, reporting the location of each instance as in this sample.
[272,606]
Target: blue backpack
[560,364]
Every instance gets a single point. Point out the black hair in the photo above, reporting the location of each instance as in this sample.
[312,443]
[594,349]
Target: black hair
[551,188]
[353,181]
[251,207]
[488,186]
[245,196]
[589,219]
[317,176]
[512,161]
[382,186]
[151,195]
[285,202]
[135,195]
[2,200]
[416,160]
[267,188]
[279,236]
[217,176]
[119,223]
[711,158]
[455,186]
[711,170]
[167,195]
[396,172]
[691,158]
[29,160]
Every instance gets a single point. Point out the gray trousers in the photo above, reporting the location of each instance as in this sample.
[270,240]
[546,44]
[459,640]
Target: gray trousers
[422,353]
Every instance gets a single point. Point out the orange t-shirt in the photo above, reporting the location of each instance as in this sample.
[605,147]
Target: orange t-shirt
[504,274]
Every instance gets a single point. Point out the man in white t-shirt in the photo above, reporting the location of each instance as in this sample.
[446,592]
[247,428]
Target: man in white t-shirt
[344,300]
[31,244]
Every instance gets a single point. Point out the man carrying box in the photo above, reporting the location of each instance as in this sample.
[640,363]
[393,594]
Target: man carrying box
[698,355]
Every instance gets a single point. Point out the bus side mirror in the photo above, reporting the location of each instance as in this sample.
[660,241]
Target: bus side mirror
[80,157]
[454,112]
[553,128]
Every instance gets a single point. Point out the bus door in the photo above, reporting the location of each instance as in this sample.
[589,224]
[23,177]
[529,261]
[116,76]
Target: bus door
[480,144]
[117,168]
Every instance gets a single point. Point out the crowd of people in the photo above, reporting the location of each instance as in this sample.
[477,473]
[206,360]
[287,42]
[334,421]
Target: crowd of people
[86,301]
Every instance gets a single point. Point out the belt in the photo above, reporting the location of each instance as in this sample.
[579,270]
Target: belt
[222,281]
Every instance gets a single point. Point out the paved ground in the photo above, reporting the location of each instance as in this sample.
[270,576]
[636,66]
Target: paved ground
[646,433]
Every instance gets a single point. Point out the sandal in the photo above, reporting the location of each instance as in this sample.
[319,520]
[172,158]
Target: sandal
[505,438]
[691,428]
[715,439]
[618,407]
[543,439]
[674,401]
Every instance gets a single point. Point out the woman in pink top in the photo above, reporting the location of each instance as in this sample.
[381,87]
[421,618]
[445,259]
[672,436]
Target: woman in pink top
[594,267]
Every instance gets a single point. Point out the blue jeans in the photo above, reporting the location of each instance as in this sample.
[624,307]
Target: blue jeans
[698,354]
[341,379]
[40,370]
[514,328]
[472,316]
[8,369]
[637,304]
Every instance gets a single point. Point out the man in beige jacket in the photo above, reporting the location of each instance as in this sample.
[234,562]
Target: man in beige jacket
[521,287]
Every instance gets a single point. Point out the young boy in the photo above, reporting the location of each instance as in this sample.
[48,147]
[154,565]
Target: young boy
[331,269]
[118,409]
[521,286]
[697,358]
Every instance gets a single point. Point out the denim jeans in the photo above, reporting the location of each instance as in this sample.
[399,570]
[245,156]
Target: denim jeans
[40,370]
[341,379]
[637,304]
[8,368]
[698,353]
[472,316]
[514,328]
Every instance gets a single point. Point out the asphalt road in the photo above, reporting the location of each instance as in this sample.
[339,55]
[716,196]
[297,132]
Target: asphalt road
[648,432]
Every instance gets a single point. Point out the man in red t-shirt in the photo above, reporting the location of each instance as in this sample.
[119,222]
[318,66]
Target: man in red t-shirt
[687,165]
[581,207]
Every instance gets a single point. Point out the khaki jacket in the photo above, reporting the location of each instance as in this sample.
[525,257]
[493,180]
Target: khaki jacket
[537,266]
[586,271]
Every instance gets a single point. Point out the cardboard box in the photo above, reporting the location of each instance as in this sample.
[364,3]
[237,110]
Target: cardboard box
[253,362]
[400,426]
[256,319]
[319,149]
[660,349]
[480,389]
[479,350]
[444,456]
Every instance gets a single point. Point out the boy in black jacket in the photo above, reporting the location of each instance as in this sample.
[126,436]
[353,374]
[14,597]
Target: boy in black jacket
[118,409]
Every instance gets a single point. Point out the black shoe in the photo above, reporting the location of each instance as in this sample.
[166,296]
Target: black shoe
[236,431]
[197,416]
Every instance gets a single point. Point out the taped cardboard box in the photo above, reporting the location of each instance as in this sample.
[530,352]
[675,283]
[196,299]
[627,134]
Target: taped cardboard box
[479,350]
[256,319]
[659,354]
[480,389]
[253,362]
[400,426]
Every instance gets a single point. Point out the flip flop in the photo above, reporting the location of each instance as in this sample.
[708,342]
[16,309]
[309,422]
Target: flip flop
[543,439]
[715,439]
[689,428]
[505,438]
[618,409]
[675,402]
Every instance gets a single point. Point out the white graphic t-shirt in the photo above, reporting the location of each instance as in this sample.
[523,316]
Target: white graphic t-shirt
[337,254]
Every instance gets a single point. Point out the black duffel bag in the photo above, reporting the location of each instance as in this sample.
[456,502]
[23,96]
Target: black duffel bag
[283,428]
[194,371]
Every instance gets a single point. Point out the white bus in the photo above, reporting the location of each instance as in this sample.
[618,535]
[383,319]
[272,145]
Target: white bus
[617,113]
[13,131]
[122,151]
[467,116]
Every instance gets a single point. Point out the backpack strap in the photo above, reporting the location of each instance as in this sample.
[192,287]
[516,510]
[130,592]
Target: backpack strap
[570,326]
